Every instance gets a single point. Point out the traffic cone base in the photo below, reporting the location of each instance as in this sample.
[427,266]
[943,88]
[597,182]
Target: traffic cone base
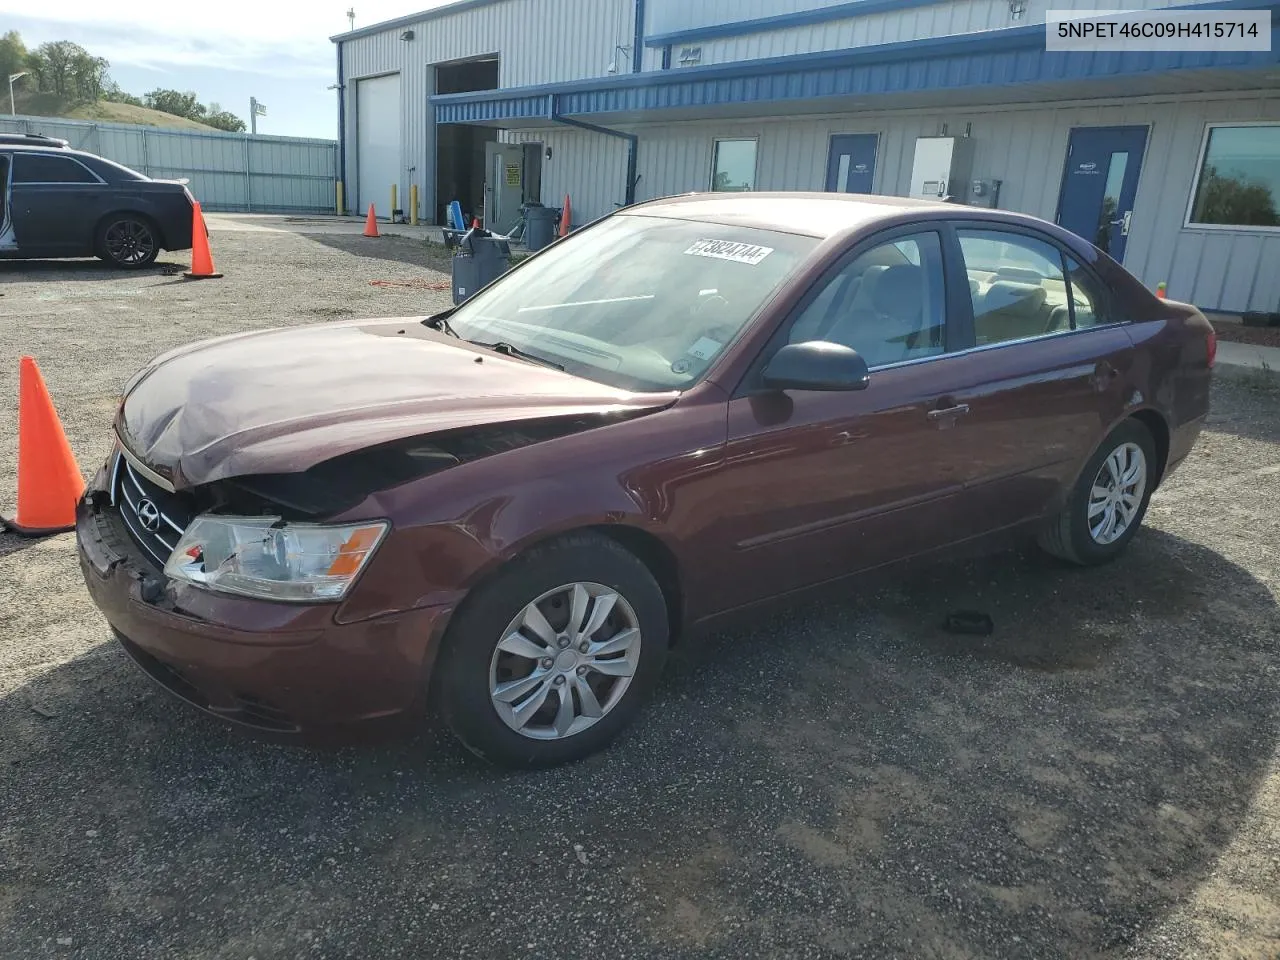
[49,480]
[371,223]
[201,258]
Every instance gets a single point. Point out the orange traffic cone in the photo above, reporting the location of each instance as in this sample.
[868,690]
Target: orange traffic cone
[475,223]
[201,258]
[49,481]
[371,224]
[1160,290]
[565,217]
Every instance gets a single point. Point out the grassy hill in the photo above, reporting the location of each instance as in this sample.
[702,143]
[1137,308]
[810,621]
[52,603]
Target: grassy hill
[49,105]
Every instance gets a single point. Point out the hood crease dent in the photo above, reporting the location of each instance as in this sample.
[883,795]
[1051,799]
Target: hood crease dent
[282,401]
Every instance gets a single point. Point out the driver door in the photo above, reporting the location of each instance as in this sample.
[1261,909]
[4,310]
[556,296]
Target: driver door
[824,484]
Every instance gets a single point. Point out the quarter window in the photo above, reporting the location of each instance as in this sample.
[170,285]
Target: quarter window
[1088,303]
[1239,180]
[887,303]
[734,166]
[1016,285]
[40,168]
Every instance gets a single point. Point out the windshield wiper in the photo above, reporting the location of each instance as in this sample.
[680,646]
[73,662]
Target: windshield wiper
[511,350]
[441,322]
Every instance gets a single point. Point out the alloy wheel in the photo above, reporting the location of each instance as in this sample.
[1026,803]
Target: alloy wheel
[564,661]
[129,241]
[1117,492]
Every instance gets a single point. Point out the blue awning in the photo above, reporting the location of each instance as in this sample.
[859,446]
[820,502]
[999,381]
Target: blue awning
[992,58]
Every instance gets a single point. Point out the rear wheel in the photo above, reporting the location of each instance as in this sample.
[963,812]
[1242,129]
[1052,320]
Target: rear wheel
[547,662]
[1109,500]
[128,241]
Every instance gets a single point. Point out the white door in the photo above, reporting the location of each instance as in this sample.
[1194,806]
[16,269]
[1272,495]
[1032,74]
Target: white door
[378,143]
[503,185]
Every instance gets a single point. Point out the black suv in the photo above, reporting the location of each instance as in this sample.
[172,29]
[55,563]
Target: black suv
[60,202]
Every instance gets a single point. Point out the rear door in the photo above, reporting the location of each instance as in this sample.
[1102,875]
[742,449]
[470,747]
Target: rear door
[851,162]
[54,205]
[1047,374]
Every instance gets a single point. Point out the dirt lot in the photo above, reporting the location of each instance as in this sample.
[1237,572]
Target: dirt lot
[841,779]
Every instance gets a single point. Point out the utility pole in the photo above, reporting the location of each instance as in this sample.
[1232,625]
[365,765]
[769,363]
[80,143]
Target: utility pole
[12,77]
[351,18]
[256,110]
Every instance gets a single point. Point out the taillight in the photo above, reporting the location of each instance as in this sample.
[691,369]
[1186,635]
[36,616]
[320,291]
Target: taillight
[1211,346]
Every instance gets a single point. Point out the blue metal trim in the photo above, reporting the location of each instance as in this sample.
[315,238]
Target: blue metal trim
[342,131]
[633,144]
[853,10]
[802,18]
[512,107]
[637,48]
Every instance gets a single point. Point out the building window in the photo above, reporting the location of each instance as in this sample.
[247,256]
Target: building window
[734,167]
[1239,181]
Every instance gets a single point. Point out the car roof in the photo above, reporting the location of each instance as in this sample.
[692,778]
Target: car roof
[820,215]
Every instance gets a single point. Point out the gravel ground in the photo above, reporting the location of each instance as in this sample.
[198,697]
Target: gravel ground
[838,779]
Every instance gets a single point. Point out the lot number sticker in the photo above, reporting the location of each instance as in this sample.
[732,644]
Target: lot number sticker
[747,253]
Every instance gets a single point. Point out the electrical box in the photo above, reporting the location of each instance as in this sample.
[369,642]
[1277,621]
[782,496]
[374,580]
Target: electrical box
[985,193]
[942,168]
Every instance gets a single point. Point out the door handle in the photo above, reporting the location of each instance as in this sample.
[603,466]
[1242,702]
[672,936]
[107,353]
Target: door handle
[946,413]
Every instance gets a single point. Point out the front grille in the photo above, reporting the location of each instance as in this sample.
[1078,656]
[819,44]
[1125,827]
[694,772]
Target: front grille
[155,517]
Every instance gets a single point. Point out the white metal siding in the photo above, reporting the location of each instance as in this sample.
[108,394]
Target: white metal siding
[1024,146]
[228,171]
[537,41]
[914,23]
[590,167]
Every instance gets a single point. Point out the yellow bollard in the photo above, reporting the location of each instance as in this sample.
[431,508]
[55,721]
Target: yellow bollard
[340,206]
[394,206]
[413,204]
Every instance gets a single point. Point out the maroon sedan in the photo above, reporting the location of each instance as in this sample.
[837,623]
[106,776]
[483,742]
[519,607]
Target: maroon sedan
[513,508]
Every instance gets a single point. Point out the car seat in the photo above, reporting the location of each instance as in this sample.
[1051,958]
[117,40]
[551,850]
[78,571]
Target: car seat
[1010,310]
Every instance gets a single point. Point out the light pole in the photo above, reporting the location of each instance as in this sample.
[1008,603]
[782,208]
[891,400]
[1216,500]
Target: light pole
[256,110]
[12,77]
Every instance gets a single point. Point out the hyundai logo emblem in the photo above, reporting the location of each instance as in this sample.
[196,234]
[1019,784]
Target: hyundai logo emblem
[149,516]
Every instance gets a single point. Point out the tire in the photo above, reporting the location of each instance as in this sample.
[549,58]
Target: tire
[1077,537]
[489,697]
[128,241]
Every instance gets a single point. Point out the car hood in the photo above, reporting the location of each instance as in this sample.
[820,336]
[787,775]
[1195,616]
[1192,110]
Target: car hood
[281,401]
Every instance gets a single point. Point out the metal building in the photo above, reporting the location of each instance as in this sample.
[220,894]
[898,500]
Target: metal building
[1170,161]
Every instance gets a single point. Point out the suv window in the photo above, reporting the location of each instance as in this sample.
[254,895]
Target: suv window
[887,303]
[42,168]
[1016,285]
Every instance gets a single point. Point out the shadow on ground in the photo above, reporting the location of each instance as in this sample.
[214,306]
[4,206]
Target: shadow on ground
[842,779]
[1243,403]
[85,269]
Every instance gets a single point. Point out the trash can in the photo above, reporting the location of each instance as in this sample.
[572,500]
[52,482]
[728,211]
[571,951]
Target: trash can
[540,226]
[479,259]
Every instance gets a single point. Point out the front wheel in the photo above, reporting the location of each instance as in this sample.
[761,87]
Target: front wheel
[547,662]
[1109,500]
[127,241]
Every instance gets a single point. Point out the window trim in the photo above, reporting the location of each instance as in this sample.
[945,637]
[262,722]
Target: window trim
[750,384]
[1063,251]
[96,181]
[755,170]
[1197,173]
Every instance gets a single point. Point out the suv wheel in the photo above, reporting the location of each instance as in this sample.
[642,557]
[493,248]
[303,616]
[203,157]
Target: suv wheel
[128,241]
[548,661]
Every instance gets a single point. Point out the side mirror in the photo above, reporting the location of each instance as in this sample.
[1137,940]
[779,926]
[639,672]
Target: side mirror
[817,365]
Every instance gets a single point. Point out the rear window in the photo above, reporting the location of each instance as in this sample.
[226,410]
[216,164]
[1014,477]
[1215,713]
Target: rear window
[42,168]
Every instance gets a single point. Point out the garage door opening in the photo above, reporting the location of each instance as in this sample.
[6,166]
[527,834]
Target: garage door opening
[460,148]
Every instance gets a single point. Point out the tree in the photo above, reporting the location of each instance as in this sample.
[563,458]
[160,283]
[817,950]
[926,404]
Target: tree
[13,54]
[223,119]
[179,104]
[112,93]
[67,69]
[1235,201]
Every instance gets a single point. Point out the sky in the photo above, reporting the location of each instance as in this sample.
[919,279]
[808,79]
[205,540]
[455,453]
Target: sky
[225,50]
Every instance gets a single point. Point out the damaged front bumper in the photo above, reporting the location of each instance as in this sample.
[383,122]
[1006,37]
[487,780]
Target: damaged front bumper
[283,668]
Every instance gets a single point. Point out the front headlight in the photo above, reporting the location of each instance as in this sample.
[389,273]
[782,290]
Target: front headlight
[268,558]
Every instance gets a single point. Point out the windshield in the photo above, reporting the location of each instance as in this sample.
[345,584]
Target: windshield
[637,302]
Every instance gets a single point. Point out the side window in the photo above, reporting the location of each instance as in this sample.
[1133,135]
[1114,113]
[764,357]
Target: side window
[1016,285]
[888,303]
[41,168]
[1087,298]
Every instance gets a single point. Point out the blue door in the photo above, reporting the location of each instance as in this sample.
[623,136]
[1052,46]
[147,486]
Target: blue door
[1099,184]
[851,164]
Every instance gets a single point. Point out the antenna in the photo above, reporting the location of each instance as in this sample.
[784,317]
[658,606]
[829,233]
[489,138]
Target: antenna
[351,18]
